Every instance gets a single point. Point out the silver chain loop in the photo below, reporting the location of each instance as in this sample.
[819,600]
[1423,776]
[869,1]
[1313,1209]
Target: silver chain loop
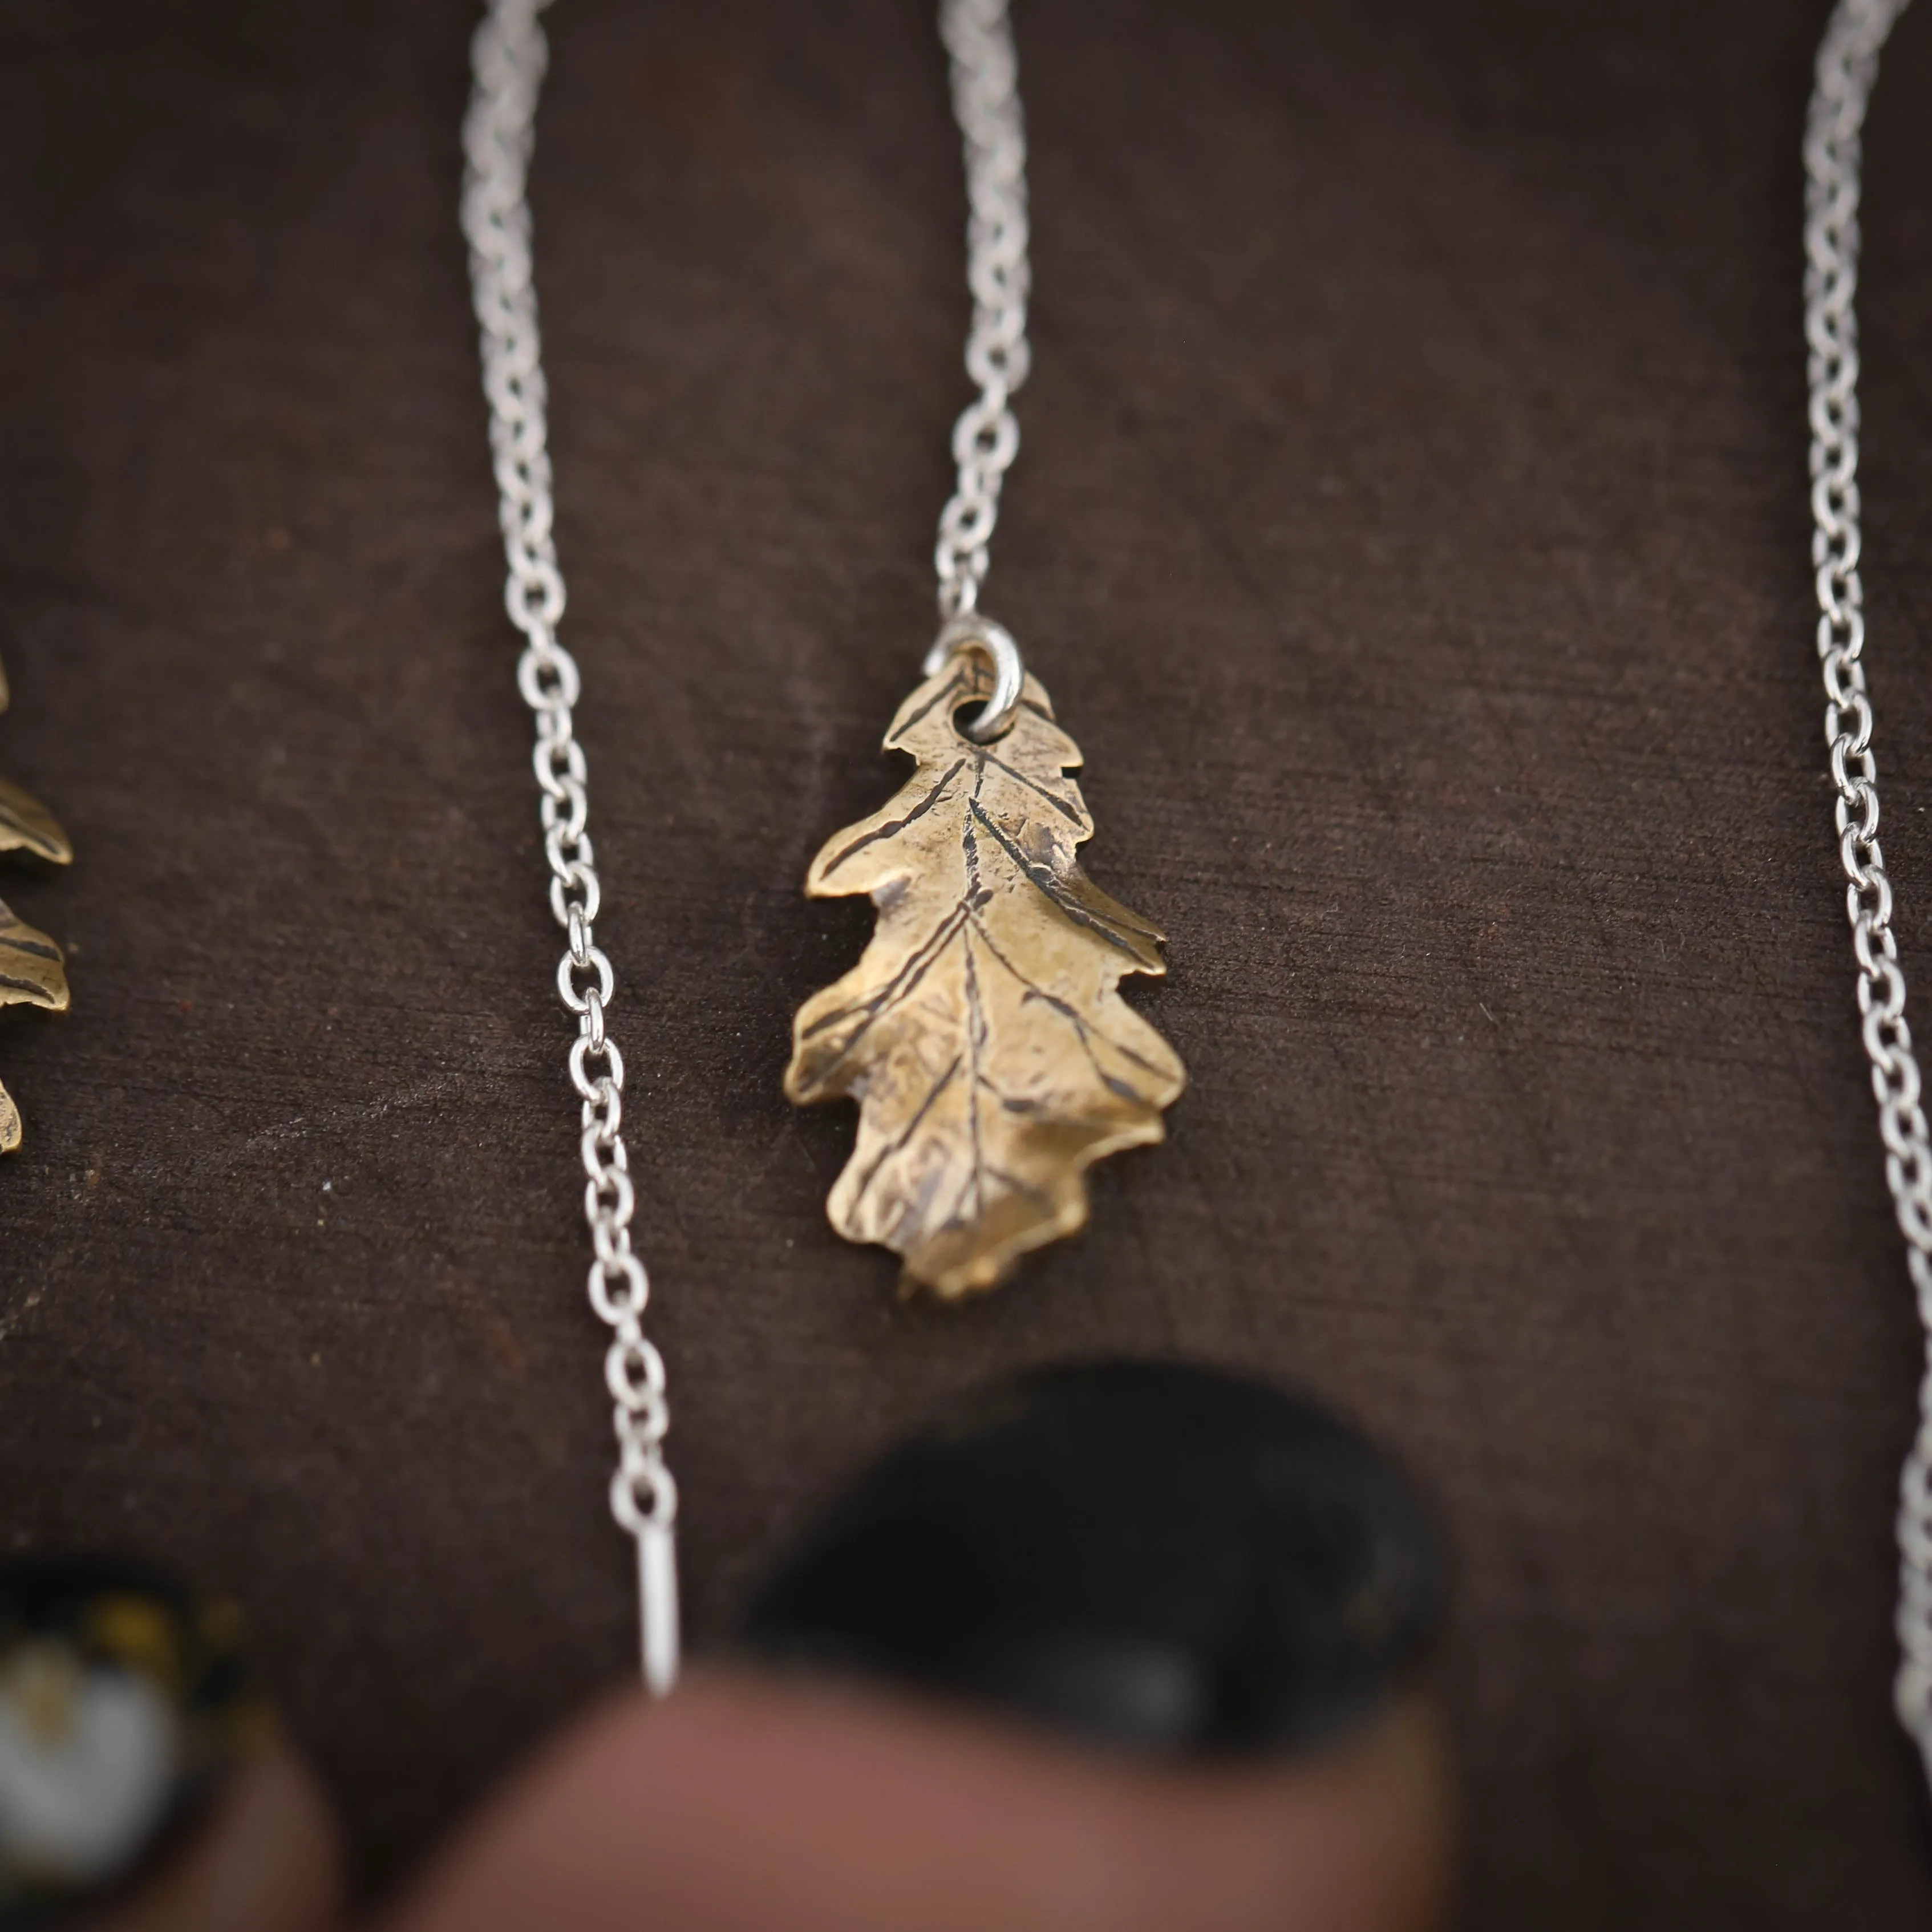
[1847,66]
[509,56]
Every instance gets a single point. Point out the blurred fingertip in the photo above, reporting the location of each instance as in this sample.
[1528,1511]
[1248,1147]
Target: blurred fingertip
[269,1859]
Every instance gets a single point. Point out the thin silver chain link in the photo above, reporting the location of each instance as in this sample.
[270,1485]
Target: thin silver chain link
[979,36]
[508,55]
[1847,66]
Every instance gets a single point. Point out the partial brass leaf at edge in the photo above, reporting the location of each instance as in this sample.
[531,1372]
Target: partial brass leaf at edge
[32,971]
[982,1032]
[27,826]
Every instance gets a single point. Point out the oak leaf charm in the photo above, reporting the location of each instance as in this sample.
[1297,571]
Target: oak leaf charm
[32,972]
[982,1032]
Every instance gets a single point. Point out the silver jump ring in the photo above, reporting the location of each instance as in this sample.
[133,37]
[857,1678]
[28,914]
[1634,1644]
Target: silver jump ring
[973,628]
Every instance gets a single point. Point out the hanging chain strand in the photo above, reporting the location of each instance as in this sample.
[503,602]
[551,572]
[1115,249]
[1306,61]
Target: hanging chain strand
[509,56]
[979,36]
[1847,66]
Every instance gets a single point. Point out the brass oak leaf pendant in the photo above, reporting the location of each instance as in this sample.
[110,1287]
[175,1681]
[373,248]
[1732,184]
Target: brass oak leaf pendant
[32,972]
[982,1032]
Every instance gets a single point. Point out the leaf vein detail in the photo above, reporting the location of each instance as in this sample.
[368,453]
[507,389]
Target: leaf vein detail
[893,827]
[1044,881]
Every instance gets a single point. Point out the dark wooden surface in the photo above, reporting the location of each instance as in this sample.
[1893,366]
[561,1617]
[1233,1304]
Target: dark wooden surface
[1412,527]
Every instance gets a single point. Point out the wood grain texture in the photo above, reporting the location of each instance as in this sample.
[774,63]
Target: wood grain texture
[1411,526]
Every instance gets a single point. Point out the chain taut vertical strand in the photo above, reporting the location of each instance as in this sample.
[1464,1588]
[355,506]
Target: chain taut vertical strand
[979,36]
[509,56]
[1847,66]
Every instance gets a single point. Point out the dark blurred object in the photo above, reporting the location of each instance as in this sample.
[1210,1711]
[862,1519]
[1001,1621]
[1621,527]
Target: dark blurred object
[1156,1557]
[125,1703]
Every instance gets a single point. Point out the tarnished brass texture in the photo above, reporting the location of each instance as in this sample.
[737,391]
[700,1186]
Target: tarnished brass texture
[32,972]
[982,1032]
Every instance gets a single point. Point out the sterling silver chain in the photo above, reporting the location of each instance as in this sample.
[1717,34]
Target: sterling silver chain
[1847,66]
[509,56]
[979,35]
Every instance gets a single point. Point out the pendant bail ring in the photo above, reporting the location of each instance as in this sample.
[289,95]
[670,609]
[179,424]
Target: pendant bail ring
[972,629]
